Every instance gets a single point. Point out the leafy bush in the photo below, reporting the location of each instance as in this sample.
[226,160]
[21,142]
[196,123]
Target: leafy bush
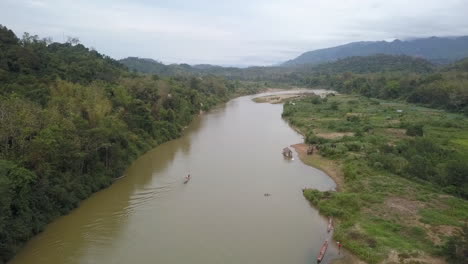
[311,138]
[353,118]
[354,146]
[333,149]
[334,106]
[415,130]
[314,99]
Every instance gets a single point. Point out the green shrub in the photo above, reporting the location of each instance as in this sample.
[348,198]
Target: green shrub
[334,106]
[353,118]
[415,130]
[315,99]
[354,146]
[333,149]
[352,171]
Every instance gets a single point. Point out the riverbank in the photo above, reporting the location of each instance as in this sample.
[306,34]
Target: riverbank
[330,167]
[276,99]
[381,215]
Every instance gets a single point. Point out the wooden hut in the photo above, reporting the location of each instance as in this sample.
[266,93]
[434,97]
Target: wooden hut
[287,152]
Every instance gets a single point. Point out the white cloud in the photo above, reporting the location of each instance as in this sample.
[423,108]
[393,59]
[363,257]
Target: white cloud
[231,32]
[36,3]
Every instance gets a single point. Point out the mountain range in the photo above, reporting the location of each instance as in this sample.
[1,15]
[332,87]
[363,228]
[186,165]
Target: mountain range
[439,50]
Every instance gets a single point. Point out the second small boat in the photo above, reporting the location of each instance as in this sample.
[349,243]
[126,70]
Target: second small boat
[330,225]
[322,252]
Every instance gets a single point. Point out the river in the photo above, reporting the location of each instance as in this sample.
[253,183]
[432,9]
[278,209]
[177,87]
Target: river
[220,216]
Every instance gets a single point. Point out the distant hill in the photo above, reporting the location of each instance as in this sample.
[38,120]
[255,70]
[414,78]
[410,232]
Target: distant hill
[151,66]
[376,63]
[461,65]
[356,64]
[434,49]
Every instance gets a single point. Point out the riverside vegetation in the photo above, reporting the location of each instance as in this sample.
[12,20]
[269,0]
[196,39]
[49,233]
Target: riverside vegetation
[404,165]
[72,120]
[405,175]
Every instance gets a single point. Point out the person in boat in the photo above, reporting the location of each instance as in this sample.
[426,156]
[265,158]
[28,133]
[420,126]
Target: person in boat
[187,177]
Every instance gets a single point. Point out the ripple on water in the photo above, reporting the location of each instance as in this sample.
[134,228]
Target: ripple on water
[144,196]
[102,222]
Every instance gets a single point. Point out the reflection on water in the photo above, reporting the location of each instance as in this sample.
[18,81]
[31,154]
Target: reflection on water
[221,216]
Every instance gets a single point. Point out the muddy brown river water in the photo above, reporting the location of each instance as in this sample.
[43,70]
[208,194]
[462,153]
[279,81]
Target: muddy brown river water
[220,216]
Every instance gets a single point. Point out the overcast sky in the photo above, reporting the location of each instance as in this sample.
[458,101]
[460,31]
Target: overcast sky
[237,32]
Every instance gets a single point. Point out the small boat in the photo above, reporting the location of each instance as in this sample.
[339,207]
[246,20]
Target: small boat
[330,225]
[187,179]
[323,250]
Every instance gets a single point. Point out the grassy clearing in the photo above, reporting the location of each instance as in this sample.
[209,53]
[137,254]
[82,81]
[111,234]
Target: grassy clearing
[402,172]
